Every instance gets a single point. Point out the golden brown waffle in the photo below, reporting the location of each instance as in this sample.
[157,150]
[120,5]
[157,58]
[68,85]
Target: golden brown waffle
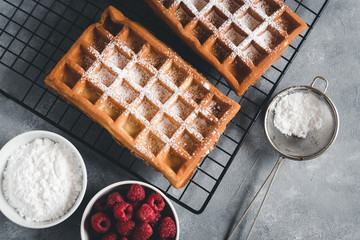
[144,94]
[240,38]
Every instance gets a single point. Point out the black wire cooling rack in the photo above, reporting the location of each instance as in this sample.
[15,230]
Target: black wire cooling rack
[35,34]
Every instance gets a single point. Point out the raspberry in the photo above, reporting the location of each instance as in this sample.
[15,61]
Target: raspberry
[124,238]
[136,193]
[110,236]
[100,222]
[101,205]
[123,211]
[167,228]
[125,228]
[142,231]
[145,213]
[156,221]
[94,234]
[135,205]
[114,198]
[156,202]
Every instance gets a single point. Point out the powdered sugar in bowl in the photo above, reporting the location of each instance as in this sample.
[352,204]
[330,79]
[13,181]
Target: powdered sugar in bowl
[40,169]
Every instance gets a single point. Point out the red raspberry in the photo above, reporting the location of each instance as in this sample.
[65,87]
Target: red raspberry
[114,198]
[167,228]
[142,231]
[145,213]
[156,202]
[101,205]
[123,211]
[125,228]
[124,238]
[100,222]
[135,205]
[156,221]
[136,193]
[110,236]
[94,234]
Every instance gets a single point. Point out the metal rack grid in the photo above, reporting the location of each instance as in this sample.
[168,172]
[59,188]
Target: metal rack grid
[35,34]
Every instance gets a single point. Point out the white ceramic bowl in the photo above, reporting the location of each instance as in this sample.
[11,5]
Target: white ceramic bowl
[113,187]
[8,149]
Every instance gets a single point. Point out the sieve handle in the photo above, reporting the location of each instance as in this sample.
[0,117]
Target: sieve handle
[322,78]
[270,177]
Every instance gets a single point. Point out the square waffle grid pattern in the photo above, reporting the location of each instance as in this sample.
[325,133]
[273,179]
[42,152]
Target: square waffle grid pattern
[34,35]
[241,38]
[149,99]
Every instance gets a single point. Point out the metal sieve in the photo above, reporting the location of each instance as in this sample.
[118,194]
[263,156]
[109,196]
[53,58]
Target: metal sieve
[316,142]
[292,147]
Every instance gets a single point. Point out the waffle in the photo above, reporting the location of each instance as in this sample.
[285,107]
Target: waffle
[240,38]
[144,94]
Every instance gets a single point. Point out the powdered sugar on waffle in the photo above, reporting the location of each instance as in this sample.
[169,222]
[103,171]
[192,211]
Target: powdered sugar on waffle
[253,33]
[167,127]
[138,80]
[118,59]
[105,76]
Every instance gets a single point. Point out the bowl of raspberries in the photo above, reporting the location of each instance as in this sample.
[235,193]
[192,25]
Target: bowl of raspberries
[129,210]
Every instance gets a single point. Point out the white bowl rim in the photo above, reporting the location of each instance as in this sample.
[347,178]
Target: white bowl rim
[32,135]
[121,183]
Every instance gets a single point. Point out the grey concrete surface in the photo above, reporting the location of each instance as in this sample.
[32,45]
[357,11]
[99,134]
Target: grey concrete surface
[316,199]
